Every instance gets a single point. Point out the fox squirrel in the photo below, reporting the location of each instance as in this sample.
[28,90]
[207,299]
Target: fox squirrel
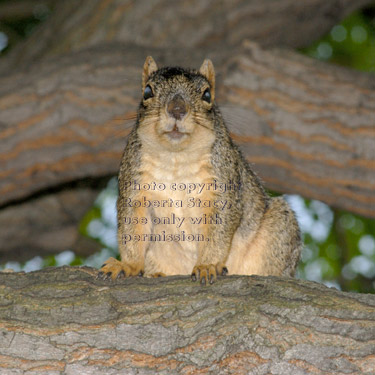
[188,201]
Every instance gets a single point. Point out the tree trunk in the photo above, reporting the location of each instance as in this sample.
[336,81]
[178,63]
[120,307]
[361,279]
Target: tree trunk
[63,321]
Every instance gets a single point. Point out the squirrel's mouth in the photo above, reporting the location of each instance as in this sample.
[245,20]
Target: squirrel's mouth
[175,133]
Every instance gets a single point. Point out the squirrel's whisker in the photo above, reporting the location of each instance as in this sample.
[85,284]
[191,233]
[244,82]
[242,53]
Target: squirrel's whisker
[195,194]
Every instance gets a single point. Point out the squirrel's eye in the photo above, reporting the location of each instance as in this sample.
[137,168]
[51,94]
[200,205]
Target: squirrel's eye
[147,94]
[207,96]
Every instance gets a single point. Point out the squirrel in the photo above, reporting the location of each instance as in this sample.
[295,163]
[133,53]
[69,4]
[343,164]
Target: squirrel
[189,203]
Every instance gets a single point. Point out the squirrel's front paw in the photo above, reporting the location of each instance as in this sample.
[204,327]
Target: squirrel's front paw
[115,269]
[207,273]
[158,274]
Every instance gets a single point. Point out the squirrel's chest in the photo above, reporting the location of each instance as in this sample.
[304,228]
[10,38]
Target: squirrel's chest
[179,178]
[180,203]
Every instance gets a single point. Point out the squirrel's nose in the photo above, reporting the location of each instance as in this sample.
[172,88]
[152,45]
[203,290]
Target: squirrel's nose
[177,107]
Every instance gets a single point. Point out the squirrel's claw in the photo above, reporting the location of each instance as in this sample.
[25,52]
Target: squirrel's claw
[207,273]
[121,275]
[115,270]
[158,274]
[224,271]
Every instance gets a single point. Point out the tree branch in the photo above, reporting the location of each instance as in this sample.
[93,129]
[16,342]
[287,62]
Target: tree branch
[64,321]
[166,23]
[307,126]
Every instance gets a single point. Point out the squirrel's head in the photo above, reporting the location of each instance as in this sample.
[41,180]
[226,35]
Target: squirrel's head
[177,109]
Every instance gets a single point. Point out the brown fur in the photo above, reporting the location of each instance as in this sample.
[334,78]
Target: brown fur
[180,137]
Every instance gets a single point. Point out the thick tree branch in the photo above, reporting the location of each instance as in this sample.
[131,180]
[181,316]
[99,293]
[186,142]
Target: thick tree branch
[65,322]
[308,126]
[167,23]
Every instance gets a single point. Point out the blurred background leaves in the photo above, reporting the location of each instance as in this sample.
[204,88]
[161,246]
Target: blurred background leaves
[350,43]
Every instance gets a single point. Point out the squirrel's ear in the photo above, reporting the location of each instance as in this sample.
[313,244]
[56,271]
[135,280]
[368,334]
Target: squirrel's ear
[207,70]
[148,68]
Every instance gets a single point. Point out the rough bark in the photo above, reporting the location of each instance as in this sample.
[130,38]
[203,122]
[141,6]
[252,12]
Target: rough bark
[167,23]
[63,321]
[307,126]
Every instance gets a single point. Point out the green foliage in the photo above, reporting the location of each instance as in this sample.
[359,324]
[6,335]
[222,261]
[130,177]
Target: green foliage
[20,26]
[351,43]
[339,247]
[345,257]
[94,214]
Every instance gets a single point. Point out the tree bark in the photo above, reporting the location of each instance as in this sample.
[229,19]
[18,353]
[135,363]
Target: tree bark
[307,126]
[63,321]
[167,23]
